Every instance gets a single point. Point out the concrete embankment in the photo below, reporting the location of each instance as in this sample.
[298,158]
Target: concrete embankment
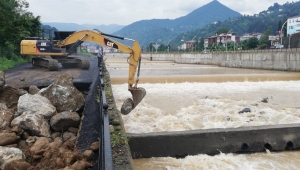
[214,141]
[285,60]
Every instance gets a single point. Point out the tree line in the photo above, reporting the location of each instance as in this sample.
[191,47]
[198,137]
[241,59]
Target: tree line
[16,23]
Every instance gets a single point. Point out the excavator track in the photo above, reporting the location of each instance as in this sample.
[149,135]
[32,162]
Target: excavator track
[48,63]
[85,64]
[75,63]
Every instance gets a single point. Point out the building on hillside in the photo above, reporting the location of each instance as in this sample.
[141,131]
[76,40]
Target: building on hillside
[221,39]
[190,45]
[293,25]
[247,36]
[182,46]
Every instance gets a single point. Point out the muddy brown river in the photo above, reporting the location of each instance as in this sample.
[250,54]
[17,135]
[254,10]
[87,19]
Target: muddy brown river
[187,97]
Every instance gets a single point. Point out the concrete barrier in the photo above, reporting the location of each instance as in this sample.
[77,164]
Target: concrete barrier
[214,141]
[288,60]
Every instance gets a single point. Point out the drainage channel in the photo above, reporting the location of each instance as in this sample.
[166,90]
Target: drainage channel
[214,141]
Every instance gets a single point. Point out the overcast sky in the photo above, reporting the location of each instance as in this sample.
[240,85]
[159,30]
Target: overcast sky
[125,12]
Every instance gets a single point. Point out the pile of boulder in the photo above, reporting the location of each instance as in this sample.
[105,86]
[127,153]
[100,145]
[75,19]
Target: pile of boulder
[39,127]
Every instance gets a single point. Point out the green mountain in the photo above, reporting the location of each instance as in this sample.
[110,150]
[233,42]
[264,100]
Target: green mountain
[75,27]
[274,17]
[147,31]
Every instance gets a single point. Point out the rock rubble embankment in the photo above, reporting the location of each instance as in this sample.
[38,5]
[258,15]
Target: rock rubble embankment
[39,127]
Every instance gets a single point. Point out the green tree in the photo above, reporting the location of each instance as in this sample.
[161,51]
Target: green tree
[264,39]
[279,25]
[222,30]
[16,23]
[252,43]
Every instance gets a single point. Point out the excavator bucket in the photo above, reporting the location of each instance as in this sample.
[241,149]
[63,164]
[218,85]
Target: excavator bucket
[129,104]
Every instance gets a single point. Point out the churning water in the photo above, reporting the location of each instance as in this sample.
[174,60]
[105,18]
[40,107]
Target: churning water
[188,97]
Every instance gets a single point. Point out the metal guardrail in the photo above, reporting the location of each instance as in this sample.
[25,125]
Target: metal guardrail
[105,152]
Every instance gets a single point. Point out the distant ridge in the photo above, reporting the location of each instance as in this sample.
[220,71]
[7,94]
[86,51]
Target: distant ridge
[146,31]
[75,27]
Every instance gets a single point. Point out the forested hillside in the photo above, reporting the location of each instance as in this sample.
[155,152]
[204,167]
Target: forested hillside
[273,17]
[16,23]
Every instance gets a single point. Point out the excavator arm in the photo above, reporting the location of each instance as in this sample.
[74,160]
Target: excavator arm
[134,60]
[100,38]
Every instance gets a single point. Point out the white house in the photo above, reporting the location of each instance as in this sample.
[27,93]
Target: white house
[293,25]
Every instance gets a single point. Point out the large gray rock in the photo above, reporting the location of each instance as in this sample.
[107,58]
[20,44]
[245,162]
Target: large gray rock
[7,138]
[64,120]
[2,80]
[9,154]
[34,124]
[63,94]
[36,104]
[6,117]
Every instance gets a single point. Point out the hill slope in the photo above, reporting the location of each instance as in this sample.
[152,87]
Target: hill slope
[147,31]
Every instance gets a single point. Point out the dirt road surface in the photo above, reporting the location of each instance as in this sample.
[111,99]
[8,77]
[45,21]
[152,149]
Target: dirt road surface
[24,75]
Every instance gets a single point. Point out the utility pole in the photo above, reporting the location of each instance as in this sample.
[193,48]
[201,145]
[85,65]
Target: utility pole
[290,36]
[199,39]
[281,35]
[150,50]
[169,45]
[226,39]
[193,42]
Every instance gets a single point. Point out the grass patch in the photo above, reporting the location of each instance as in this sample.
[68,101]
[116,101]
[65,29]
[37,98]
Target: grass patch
[87,53]
[6,64]
[117,138]
[97,98]
[108,93]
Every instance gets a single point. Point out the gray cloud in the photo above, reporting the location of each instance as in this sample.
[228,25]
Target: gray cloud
[124,12]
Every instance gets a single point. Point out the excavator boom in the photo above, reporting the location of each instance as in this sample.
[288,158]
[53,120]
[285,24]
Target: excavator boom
[102,39]
[134,60]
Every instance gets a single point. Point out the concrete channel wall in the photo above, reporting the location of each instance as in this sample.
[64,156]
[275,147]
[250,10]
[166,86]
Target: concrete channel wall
[214,141]
[286,60]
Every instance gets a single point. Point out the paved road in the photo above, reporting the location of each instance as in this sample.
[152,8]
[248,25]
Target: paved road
[24,75]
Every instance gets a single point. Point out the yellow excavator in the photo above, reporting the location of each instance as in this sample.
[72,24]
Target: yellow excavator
[66,43]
